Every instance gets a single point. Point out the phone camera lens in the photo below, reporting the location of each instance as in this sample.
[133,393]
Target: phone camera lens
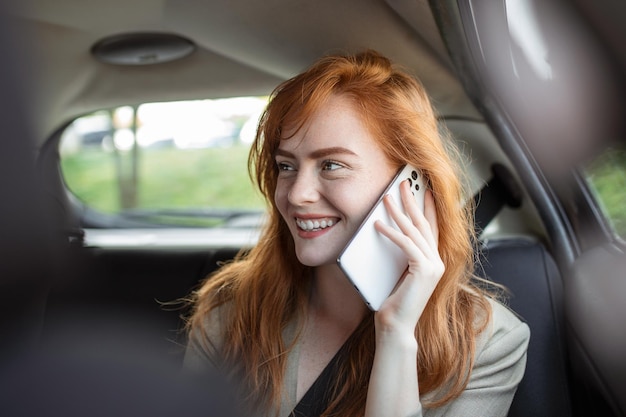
[410,182]
[414,175]
[417,187]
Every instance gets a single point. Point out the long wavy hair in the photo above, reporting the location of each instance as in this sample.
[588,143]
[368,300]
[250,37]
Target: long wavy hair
[266,288]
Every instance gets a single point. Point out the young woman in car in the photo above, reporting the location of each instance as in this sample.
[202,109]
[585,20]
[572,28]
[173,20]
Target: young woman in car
[328,144]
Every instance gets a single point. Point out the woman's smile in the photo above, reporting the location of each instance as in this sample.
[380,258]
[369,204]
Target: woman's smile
[315,224]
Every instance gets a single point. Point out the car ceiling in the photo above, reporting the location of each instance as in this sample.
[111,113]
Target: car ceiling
[243,48]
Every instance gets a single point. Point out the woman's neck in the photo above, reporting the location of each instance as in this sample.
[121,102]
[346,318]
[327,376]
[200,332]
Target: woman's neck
[333,297]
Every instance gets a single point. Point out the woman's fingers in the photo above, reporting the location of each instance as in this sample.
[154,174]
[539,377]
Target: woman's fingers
[415,229]
[423,220]
[430,215]
[417,235]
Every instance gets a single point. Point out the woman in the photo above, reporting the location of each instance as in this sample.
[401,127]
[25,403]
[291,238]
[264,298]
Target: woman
[328,143]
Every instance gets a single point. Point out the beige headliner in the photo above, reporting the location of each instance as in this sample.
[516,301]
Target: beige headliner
[245,47]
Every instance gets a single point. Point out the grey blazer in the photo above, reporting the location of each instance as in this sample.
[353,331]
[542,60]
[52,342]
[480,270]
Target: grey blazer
[499,365]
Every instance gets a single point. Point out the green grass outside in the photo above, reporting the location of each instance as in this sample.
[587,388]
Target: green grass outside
[607,175]
[167,178]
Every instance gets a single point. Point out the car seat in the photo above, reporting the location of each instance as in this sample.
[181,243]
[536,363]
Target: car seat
[530,274]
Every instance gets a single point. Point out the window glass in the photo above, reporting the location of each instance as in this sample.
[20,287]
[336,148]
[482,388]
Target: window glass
[607,177]
[180,163]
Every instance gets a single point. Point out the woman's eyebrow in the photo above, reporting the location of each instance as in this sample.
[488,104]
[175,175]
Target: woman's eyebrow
[319,153]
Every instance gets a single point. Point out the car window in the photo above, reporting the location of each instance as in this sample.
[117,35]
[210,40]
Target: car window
[178,163]
[607,177]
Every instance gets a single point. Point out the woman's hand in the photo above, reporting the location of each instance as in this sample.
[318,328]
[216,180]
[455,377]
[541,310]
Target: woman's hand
[418,238]
[394,389]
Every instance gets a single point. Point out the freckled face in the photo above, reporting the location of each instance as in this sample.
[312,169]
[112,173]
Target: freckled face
[331,172]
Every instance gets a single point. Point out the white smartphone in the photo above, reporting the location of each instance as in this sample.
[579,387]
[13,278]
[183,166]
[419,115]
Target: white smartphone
[372,262]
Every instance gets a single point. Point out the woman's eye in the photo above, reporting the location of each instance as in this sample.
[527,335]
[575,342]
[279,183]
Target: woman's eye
[331,166]
[284,166]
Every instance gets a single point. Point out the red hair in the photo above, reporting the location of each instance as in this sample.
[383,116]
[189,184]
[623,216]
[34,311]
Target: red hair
[267,288]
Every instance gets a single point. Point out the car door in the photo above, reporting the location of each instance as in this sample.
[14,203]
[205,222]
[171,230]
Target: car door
[548,77]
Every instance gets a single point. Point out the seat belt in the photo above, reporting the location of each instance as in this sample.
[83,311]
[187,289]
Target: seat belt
[501,190]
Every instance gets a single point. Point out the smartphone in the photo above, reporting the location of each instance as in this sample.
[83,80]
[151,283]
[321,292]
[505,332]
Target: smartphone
[372,262]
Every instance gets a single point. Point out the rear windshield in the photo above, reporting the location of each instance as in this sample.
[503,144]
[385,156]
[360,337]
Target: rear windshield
[177,163]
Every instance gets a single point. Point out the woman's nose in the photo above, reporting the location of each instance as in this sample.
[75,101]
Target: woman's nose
[304,189]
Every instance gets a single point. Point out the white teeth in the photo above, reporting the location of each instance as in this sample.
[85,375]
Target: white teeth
[314,224]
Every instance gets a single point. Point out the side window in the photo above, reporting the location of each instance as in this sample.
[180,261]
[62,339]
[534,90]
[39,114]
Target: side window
[607,177]
[176,163]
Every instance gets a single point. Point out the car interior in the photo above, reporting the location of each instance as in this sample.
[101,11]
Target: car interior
[73,275]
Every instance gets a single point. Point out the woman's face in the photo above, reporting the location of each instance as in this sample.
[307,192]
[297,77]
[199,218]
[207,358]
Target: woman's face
[331,172]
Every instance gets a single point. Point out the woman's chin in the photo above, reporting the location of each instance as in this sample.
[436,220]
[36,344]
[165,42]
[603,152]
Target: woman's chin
[315,260]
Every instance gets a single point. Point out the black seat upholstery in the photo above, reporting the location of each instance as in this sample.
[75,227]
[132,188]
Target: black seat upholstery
[536,295]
